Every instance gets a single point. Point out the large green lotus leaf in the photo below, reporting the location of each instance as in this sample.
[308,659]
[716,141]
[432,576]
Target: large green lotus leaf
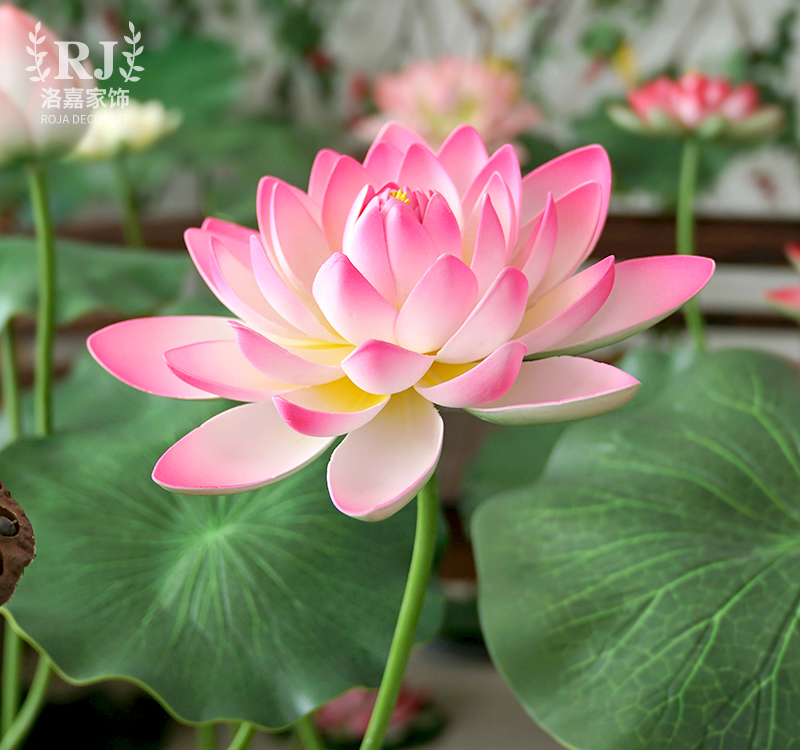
[645,593]
[90,278]
[258,606]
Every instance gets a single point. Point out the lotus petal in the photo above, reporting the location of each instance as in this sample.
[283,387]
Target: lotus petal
[133,350]
[378,469]
[214,459]
[560,389]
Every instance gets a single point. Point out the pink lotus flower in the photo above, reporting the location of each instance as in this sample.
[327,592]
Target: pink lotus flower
[432,97]
[23,135]
[694,103]
[413,280]
[787,299]
[345,719]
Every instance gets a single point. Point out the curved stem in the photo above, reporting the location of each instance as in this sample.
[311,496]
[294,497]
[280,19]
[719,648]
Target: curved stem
[242,738]
[307,734]
[132,224]
[46,316]
[207,737]
[684,234]
[34,701]
[9,381]
[403,639]
[12,658]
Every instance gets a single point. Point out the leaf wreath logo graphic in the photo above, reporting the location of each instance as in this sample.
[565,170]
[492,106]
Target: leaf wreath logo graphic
[131,56]
[36,40]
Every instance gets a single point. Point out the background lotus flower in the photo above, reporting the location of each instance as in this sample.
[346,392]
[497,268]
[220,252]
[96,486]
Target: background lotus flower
[417,278]
[23,135]
[432,97]
[695,103]
[142,125]
[787,298]
[344,720]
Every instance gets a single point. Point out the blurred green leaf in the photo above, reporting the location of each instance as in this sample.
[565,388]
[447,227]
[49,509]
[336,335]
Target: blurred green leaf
[197,76]
[602,39]
[90,278]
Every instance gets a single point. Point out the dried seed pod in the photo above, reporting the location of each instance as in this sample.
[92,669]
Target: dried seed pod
[17,546]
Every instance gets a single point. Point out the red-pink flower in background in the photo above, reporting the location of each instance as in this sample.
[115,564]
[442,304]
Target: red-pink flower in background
[787,298]
[414,280]
[23,133]
[698,104]
[344,720]
[433,97]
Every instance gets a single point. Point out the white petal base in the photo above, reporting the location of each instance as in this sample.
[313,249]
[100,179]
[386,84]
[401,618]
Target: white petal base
[379,468]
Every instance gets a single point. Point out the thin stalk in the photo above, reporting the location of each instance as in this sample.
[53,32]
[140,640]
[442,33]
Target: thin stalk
[12,659]
[9,381]
[242,738]
[684,231]
[307,734]
[34,701]
[132,224]
[207,737]
[46,315]
[403,639]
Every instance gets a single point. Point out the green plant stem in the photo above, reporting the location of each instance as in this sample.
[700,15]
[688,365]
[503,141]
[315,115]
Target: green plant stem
[132,224]
[403,639]
[207,737]
[12,658]
[684,231]
[307,734]
[9,381]
[46,316]
[34,701]
[242,738]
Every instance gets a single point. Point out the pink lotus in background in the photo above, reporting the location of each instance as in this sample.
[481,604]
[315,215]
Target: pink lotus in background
[418,279]
[695,103]
[23,135]
[787,299]
[344,720]
[432,97]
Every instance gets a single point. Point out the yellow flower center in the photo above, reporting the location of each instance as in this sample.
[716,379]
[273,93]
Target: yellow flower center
[401,195]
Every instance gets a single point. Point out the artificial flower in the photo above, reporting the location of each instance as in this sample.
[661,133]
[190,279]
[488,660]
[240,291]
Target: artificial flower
[29,127]
[696,104]
[136,127]
[432,97]
[414,280]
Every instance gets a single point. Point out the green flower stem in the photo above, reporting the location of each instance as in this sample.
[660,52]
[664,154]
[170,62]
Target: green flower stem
[242,738]
[403,639]
[207,737]
[12,657]
[130,206]
[34,701]
[9,381]
[307,734]
[46,316]
[684,235]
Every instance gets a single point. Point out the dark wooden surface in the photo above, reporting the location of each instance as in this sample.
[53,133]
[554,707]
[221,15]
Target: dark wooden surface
[725,240]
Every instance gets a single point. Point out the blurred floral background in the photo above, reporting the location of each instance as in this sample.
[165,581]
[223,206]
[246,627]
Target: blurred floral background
[260,85]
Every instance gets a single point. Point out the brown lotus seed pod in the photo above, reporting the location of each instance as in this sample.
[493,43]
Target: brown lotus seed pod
[17,546]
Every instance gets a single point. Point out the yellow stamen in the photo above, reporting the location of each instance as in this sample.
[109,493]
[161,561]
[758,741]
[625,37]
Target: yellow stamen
[401,195]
